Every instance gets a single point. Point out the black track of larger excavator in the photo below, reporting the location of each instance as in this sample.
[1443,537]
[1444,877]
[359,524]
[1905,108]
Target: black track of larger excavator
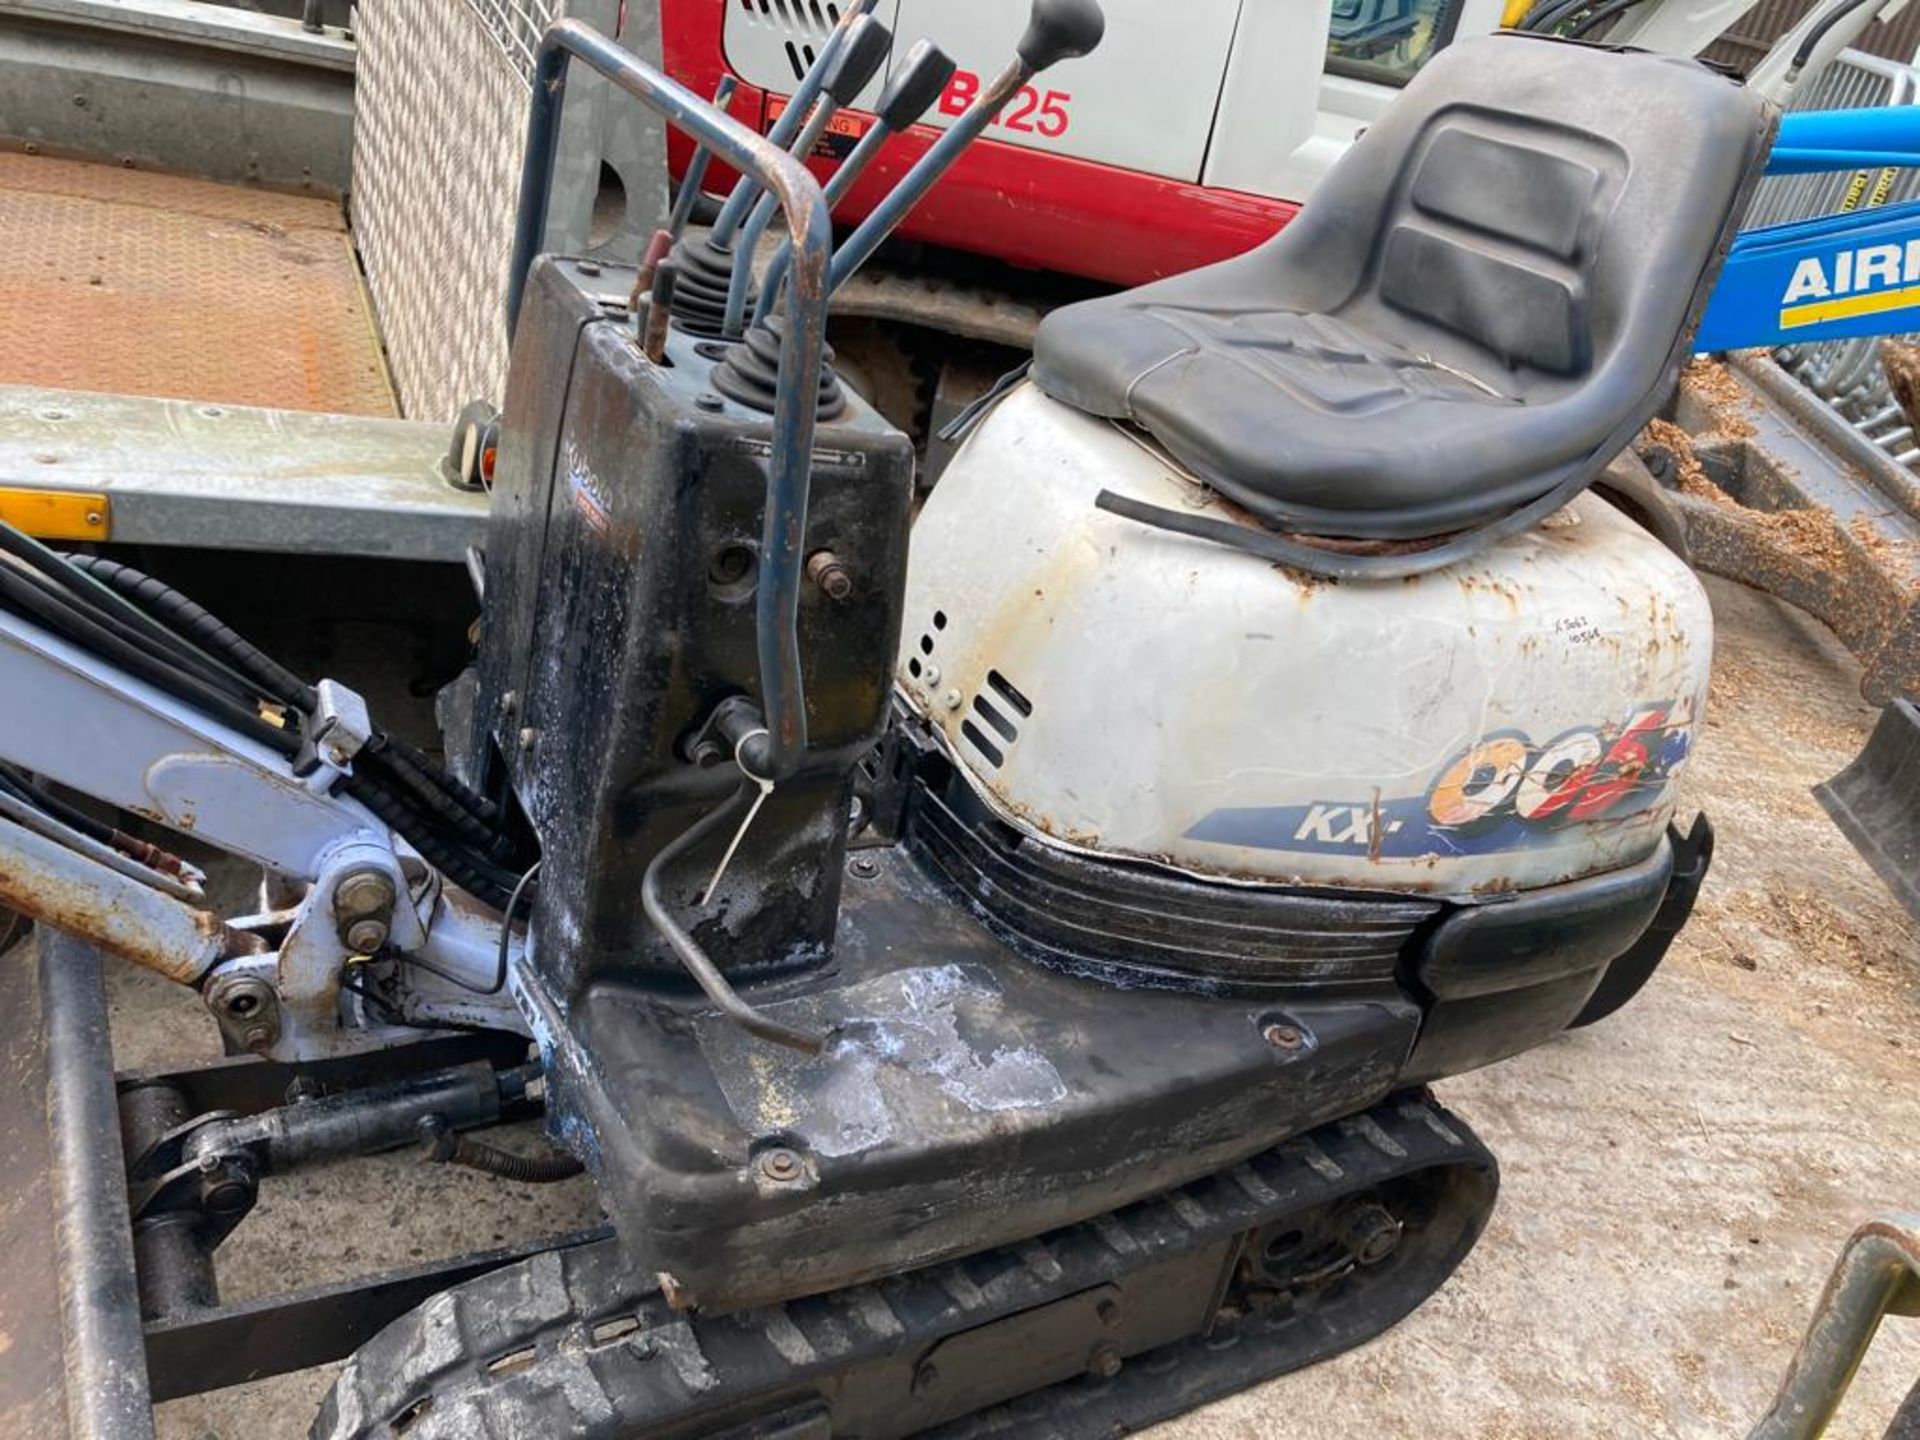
[1096,1329]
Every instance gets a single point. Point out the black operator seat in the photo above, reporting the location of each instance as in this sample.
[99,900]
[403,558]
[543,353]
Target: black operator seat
[1479,307]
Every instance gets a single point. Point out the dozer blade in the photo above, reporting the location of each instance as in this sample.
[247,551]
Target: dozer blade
[1096,1329]
[1876,802]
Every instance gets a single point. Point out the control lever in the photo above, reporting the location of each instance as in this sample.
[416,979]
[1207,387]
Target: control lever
[788,125]
[1056,30]
[921,79]
[858,60]
[697,167]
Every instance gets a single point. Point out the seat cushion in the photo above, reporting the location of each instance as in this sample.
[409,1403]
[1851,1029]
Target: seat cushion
[1489,294]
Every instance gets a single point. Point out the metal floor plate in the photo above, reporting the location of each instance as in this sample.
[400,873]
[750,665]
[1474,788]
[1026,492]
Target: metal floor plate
[143,284]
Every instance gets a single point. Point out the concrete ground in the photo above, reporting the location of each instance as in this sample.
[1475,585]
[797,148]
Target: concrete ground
[1677,1180]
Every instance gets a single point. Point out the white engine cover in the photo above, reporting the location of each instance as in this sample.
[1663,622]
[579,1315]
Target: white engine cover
[1514,721]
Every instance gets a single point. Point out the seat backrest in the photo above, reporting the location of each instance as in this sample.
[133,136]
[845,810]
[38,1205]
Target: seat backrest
[1524,212]
[1495,232]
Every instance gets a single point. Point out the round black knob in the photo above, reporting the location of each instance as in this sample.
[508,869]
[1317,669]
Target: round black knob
[1061,30]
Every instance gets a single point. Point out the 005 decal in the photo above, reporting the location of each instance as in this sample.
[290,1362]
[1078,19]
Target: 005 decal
[1504,792]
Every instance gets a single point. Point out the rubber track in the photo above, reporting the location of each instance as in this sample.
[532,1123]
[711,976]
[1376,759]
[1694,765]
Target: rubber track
[565,1345]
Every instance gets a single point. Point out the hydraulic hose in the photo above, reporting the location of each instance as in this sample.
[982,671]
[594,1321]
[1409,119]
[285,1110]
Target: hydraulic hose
[60,598]
[155,633]
[69,621]
[176,611]
[446,1146]
[204,629]
[1599,16]
[1820,32]
[470,872]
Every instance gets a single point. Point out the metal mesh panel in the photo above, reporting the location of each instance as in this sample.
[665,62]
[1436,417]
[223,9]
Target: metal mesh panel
[441,112]
[439,132]
[1846,373]
[516,26]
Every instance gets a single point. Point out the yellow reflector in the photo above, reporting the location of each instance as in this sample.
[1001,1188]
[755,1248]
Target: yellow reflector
[56,514]
[1515,10]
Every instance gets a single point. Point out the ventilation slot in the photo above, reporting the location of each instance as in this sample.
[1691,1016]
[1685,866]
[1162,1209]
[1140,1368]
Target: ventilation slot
[985,709]
[1001,713]
[989,751]
[1004,688]
[803,25]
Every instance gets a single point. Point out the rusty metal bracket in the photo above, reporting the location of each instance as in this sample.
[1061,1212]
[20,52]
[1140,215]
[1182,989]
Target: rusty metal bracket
[1878,1275]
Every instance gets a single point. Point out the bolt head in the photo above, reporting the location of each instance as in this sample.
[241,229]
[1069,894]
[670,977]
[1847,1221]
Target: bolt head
[366,936]
[1105,1362]
[1372,1234]
[865,866]
[1284,1037]
[781,1165]
[229,1197]
[951,699]
[365,892]
[830,574]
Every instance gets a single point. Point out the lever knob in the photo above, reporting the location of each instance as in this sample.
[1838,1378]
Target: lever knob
[921,79]
[865,50]
[1061,30]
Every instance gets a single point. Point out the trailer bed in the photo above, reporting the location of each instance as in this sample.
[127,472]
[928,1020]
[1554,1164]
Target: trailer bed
[125,281]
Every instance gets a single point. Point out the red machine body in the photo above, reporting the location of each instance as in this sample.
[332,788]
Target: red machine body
[1024,206]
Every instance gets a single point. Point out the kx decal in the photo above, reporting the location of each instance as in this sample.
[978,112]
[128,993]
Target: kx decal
[1503,792]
